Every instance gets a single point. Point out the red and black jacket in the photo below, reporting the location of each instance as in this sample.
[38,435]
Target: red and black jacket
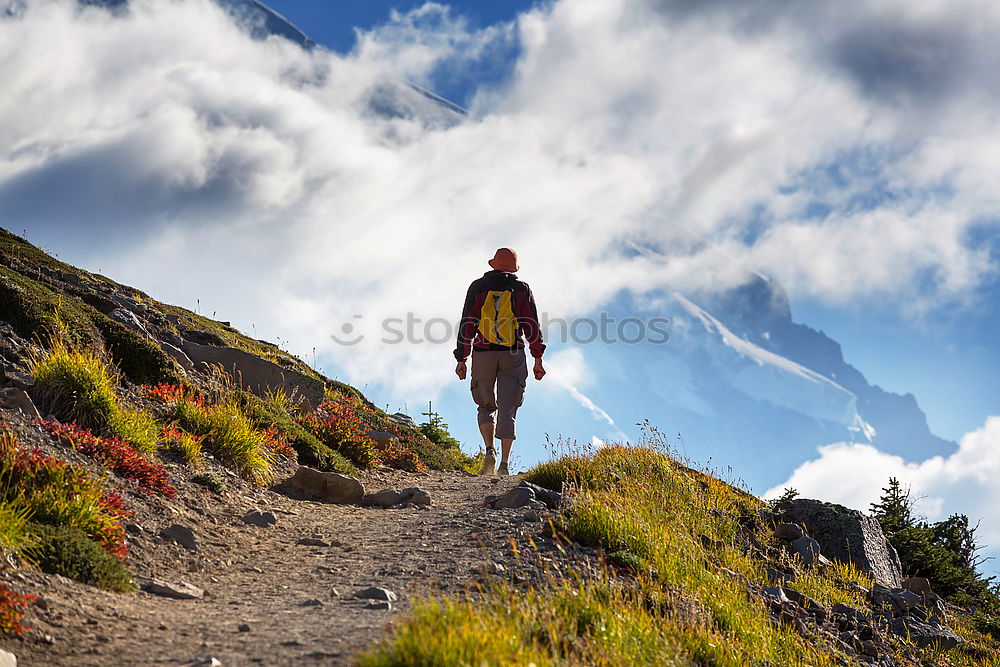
[523,306]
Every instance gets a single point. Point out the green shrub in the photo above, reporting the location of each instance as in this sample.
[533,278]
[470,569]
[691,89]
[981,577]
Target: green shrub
[211,480]
[68,551]
[944,552]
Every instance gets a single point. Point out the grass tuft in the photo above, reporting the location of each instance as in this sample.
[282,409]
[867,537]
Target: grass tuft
[229,435]
[78,386]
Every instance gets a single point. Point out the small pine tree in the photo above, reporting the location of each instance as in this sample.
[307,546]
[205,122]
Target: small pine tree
[788,493]
[436,430]
[894,510]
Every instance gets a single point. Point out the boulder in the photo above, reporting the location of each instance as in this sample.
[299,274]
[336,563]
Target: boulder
[924,635]
[14,398]
[846,535]
[7,659]
[255,374]
[552,499]
[904,600]
[181,591]
[177,355]
[129,319]
[328,486]
[404,419]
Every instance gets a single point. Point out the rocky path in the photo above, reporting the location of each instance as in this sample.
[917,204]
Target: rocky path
[270,599]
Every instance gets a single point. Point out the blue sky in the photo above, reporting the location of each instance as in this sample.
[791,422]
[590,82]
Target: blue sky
[333,24]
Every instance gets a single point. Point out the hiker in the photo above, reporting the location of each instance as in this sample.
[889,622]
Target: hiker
[499,315]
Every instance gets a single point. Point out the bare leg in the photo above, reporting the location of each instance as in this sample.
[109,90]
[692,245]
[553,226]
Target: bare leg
[505,446]
[487,432]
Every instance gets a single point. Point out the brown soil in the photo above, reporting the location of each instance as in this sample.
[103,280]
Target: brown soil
[263,579]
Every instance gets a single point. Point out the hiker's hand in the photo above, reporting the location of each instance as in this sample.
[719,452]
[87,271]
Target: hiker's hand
[460,370]
[539,371]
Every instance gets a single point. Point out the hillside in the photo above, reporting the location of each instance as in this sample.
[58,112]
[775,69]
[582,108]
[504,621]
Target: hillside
[173,491]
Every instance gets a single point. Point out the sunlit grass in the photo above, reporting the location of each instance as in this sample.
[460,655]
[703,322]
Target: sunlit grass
[229,435]
[683,603]
[79,386]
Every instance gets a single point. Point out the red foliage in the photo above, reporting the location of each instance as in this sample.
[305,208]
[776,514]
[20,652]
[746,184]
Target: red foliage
[171,393]
[278,443]
[402,458]
[339,426]
[37,473]
[114,453]
[12,608]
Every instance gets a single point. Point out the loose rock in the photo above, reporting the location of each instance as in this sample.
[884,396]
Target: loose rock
[261,519]
[519,496]
[788,532]
[376,593]
[180,591]
[808,548]
[328,486]
[181,535]
[552,499]
[918,585]
[383,498]
[924,634]
[313,542]
[17,399]
[7,659]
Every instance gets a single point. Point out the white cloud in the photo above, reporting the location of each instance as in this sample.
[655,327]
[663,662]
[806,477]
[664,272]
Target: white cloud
[169,149]
[963,482]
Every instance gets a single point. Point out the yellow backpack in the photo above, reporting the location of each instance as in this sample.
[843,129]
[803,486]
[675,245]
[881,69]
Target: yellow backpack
[497,322]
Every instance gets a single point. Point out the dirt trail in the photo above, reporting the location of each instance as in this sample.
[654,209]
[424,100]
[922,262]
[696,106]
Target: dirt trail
[296,600]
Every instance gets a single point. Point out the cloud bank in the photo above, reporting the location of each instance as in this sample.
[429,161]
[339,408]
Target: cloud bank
[844,148]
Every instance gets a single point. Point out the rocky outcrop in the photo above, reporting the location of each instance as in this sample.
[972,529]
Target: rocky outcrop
[846,535]
[255,374]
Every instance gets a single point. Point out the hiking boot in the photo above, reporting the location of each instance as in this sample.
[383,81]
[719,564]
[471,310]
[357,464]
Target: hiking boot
[489,463]
[503,469]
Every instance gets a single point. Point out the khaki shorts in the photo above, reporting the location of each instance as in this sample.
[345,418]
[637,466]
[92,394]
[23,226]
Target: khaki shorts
[498,381]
